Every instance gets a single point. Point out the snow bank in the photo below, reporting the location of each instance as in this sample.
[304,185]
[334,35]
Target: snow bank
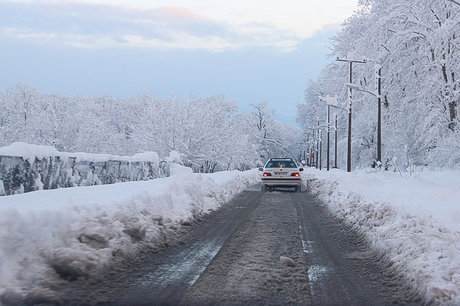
[74,232]
[413,220]
[26,167]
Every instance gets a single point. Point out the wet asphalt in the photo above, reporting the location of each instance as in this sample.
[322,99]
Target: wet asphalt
[232,257]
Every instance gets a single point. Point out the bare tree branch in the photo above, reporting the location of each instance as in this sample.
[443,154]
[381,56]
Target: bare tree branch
[458,3]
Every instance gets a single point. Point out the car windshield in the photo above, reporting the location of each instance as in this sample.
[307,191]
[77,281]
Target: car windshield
[281,163]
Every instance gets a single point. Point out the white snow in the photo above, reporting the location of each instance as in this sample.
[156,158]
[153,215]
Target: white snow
[174,157]
[80,230]
[413,220]
[333,101]
[30,151]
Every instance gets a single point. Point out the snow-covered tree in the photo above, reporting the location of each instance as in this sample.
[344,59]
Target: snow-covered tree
[417,46]
[209,132]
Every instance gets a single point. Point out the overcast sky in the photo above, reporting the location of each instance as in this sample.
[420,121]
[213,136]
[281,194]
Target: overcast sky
[249,50]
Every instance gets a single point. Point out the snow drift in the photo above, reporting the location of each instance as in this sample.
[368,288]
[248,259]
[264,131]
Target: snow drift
[412,220]
[74,232]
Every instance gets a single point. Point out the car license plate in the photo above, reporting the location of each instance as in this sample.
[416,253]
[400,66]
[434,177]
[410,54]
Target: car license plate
[281,173]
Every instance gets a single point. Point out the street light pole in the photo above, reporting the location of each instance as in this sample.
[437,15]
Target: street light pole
[378,94]
[350,97]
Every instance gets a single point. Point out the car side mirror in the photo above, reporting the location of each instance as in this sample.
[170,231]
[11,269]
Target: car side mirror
[300,169]
[261,169]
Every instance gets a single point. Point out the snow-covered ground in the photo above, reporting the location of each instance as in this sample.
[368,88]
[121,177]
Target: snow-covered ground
[76,231]
[413,219]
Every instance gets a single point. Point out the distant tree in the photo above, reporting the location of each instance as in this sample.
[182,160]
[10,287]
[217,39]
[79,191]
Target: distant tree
[209,132]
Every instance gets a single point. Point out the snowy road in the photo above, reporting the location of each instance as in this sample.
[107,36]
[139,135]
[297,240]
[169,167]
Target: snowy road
[232,256]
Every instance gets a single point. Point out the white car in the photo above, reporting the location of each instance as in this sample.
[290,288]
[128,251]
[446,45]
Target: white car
[281,172]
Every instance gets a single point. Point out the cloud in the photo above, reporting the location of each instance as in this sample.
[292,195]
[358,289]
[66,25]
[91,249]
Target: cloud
[181,12]
[102,25]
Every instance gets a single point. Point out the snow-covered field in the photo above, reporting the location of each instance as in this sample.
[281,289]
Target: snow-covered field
[413,219]
[76,231]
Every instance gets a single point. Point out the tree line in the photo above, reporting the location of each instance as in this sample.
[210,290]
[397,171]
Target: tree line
[210,133]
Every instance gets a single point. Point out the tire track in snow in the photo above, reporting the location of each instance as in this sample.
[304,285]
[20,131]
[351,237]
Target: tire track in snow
[342,269]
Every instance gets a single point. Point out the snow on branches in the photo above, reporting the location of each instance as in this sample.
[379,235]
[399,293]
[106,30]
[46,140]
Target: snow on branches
[417,46]
[209,133]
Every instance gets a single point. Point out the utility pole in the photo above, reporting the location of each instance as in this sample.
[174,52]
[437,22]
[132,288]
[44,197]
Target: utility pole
[320,149]
[310,150]
[313,149]
[307,149]
[379,115]
[331,102]
[316,148]
[335,153]
[328,133]
[350,98]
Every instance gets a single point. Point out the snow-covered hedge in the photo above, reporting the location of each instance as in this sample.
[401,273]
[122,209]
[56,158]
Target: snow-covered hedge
[412,219]
[25,167]
[74,232]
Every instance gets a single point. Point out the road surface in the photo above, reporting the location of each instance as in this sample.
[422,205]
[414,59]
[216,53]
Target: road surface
[232,257]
